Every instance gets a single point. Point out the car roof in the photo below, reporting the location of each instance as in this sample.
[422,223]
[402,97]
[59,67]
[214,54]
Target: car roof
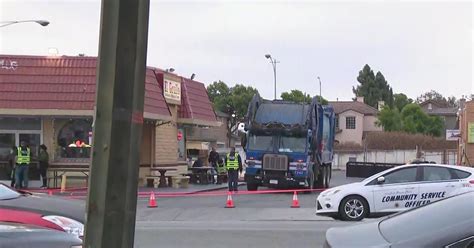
[457,167]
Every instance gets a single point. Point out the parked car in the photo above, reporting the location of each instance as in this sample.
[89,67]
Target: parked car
[447,223]
[43,210]
[13,235]
[394,190]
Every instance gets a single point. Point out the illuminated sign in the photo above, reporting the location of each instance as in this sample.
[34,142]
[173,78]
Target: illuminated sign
[172,91]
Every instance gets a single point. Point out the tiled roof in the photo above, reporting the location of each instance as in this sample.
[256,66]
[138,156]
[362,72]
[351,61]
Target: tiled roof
[343,106]
[441,111]
[195,103]
[64,83]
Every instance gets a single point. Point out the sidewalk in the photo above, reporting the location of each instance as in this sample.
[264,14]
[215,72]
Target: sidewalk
[34,185]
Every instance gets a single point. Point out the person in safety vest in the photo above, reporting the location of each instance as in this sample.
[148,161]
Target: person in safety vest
[23,159]
[233,164]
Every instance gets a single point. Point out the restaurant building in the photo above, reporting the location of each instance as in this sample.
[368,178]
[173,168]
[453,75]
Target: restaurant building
[51,101]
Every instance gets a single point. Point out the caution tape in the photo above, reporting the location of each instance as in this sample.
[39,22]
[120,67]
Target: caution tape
[78,194]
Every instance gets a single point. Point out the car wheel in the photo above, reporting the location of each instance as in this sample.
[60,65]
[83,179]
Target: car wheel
[252,186]
[353,208]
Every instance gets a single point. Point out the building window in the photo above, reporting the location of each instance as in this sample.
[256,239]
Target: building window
[337,121]
[350,122]
[15,130]
[74,139]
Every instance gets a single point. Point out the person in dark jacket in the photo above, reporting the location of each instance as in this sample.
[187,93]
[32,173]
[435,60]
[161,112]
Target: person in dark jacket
[213,161]
[43,159]
[12,163]
[233,164]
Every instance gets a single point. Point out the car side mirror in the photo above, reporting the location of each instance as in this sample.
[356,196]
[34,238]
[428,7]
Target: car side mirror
[380,180]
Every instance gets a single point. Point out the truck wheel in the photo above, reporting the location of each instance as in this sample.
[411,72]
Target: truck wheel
[353,208]
[252,186]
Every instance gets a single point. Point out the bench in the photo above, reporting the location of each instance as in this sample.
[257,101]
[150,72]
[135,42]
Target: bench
[180,181]
[154,181]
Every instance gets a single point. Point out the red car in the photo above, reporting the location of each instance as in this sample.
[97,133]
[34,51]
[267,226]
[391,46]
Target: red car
[52,212]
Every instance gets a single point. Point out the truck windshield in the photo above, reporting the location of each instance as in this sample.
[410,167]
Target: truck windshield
[292,144]
[260,143]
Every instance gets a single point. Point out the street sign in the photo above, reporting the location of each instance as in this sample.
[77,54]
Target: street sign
[453,134]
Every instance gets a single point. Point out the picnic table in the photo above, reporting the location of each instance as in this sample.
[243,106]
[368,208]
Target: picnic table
[201,173]
[61,172]
[162,171]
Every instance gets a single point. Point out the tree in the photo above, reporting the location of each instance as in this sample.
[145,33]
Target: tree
[390,119]
[233,101]
[412,119]
[415,120]
[373,88]
[400,100]
[438,99]
[300,97]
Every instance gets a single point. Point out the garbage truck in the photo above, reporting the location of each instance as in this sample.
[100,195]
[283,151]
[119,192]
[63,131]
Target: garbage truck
[288,145]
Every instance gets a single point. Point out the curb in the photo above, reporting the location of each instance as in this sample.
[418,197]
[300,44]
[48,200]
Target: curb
[213,189]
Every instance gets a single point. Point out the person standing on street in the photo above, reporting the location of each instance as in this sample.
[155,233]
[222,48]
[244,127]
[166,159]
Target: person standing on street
[12,163]
[213,161]
[23,159]
[233,164]
[43,159]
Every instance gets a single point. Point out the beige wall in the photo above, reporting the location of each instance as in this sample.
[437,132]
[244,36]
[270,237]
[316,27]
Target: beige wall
[369,124]
[350,135]
[166,142]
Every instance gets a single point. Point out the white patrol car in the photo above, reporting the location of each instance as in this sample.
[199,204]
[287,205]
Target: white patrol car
[394,190]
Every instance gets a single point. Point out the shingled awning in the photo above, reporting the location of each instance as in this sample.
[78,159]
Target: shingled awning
[64,86]
[196,108]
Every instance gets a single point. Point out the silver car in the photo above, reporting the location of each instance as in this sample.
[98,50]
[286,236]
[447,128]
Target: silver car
[25,236]
[447,223]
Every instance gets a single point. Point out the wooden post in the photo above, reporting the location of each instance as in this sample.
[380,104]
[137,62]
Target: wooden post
[112,198]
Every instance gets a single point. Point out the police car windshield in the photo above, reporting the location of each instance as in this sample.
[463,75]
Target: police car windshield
[429,219]
[6,193]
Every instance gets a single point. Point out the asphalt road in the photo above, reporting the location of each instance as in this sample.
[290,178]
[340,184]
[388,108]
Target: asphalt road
[232,234]
[259,220]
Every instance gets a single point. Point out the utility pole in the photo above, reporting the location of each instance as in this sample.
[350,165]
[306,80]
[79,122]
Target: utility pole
[112,198]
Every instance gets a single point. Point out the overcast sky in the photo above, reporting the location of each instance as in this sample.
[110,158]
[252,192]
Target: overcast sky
[418,46]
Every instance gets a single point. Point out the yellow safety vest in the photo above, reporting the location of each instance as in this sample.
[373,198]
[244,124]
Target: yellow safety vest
[23,156]
[232,163]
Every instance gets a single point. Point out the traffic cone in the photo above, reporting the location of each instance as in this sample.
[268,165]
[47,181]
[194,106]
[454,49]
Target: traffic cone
[296,203]
[230,202]
[152,201]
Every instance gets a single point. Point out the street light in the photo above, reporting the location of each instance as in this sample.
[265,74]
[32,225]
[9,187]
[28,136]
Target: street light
[8,23]
[273,62]
[320,95]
